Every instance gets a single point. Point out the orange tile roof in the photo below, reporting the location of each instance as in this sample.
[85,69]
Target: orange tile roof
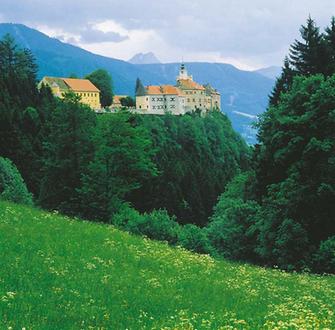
[154,90]
[189,84]
[80,85]
[170,90]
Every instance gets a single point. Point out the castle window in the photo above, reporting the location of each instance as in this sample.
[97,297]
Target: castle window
[172,106]
[172,99]
[153,99]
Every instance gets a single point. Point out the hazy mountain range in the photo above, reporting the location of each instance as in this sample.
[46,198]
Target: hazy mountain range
[144,58]
[244,93]
[271,72]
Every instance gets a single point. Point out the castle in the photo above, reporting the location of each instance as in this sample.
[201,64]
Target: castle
[186,96]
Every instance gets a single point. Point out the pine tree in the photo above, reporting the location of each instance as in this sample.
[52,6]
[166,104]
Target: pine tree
[283,83]
[308,56]
[330,44]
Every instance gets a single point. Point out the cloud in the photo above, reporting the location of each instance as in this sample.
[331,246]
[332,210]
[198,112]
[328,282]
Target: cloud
[251,33]
[92,35]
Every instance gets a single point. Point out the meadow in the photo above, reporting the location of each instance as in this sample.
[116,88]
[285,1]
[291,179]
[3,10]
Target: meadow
[62,273]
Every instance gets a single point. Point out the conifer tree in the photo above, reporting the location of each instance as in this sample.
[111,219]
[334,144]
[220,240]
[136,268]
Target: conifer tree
[283,83]
[308,56]
[330,44]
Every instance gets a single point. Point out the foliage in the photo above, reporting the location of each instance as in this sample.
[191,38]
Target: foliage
[156,225]
[12,186]
[67,152]
[324,258]
[194,238]
[195,156]
[122,159]
[309,55]
[103,81]
[314,54]
[77,274]
[296,165]
[22,110]
[128,101]
[231,231]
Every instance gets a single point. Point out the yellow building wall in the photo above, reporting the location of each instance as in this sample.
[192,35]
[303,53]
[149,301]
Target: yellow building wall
[92,99]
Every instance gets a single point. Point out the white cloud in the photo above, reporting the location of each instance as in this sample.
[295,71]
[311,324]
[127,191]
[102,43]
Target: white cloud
[246,33]
[136,40]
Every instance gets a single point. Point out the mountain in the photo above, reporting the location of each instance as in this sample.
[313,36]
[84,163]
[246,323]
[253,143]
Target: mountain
[144,58]
[244,94]
[271,72]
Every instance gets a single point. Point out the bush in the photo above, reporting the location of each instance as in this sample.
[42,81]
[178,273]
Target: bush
[155,225]
[194,238]
[12,186]
[231,231]
[324,259]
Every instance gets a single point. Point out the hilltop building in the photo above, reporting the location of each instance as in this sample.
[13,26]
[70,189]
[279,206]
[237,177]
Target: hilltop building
[117,101]
[186,96]
[89,94]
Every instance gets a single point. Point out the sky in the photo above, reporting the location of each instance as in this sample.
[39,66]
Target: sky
[249,34]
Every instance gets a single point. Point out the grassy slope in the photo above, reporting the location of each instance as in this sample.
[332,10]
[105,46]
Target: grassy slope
[57,273]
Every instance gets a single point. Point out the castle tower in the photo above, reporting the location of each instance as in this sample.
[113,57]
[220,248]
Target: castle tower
[183,75]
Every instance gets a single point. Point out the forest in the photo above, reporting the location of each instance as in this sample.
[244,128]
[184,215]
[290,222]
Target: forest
[189,180]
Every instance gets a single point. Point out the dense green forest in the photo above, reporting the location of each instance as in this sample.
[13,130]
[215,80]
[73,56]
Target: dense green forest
[189,180]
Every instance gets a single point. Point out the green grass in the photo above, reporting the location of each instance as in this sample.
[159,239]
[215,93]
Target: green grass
[58,273]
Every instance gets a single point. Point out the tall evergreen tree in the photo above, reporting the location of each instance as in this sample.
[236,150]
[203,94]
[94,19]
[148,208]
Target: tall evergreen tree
[330,44]
[309,55]
[283,83]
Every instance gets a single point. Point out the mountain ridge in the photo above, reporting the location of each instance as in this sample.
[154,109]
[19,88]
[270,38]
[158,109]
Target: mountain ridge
[241,91]
[144,58]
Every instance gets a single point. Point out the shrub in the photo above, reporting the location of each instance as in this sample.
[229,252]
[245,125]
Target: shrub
[324,259]
[194,238]
[12,186]
[155,225]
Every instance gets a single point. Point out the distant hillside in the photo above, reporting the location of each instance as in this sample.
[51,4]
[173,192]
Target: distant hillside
[144,58]
[61,273]
[244,94]
[271,72]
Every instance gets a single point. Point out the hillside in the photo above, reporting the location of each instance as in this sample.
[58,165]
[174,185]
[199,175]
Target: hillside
[62,273]
[244,93]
